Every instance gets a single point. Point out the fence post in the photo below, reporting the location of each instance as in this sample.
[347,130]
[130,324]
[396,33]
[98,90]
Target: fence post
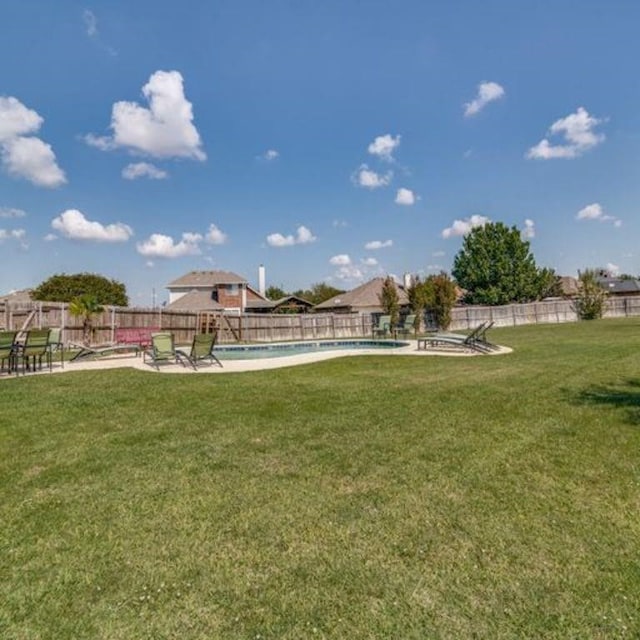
[112,337]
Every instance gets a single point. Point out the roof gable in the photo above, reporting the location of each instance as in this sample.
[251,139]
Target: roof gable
[198,279]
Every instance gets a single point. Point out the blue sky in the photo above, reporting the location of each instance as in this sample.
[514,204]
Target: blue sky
[331,140]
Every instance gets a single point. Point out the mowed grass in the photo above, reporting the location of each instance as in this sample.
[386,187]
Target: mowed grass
[365,497]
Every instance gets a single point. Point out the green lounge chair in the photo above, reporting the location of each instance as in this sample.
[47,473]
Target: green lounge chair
[34,349]
[163,350]
[382,328]
[8,351]
[201,350]
[407,326]
[55,343]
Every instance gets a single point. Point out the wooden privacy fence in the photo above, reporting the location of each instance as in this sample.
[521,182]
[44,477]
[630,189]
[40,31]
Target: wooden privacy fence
[275,327]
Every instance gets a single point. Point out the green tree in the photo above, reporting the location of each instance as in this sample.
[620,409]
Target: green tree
[319,292]
[496,266]
[275,293]
[416,295]
[591,297]
[85,307]
[440,296]
[64,288]
[389,300]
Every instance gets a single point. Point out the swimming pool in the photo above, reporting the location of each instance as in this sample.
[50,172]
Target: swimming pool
[281,349]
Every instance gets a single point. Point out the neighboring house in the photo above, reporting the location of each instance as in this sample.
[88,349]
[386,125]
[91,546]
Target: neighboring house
[620,286]
[569,286]
[291,304]
[362,299]
[215,291]
[23,295]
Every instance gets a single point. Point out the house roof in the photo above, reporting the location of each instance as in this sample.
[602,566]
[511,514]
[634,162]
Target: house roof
[207,279]
[569,286]
[297,299]
[620,285]
[366,295]
[23,295]
[195,301]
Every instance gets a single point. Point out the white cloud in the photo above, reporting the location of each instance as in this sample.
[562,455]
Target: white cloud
[303,236]
[163,130]
[487,92]
[341,259]
[577,129]
[529,230]
[15,234]
[50,237]
[378,244]
[365,177]
[158,245]
[596,212]
[90,23]
[405,197]
[384,146]
[73,224]
[215,235]
[613,269]
[349,272]
[271,154]
[463,227]
[369,262]
[339,224]
[439,254]
[23,155]
[9,212]
[137,170]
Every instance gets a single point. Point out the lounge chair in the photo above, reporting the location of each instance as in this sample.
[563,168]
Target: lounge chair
[84,352]
[382,328]
[406,327]
[163,350]
[34,349]
[54,343]
[474,341]
[201,349]
[8,351]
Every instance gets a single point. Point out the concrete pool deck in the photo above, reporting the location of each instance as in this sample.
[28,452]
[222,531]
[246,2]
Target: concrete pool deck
[259,364]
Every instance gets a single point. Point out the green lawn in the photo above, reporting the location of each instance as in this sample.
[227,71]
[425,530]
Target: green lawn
[365,497]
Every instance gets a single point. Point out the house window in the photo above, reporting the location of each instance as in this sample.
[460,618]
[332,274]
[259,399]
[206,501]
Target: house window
[232,289]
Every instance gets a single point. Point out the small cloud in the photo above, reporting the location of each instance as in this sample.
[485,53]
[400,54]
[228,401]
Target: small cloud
[137,170]
[158,245]
[468,153]
[596,212]
[164,129]
[613,269]
[369,179]
[439,254]
[378,244]
[90,23]
[215,236]
[529,230]
[303,236]
[487,92]
[349,272]
[149,264]
[339,224]
[50,237]
[13,234]
[384,146]
[577,129]
[369,262]
[7,212]
[463,227]
[340,260]
[72,224]
[23,155]
[269,155]
[405,197]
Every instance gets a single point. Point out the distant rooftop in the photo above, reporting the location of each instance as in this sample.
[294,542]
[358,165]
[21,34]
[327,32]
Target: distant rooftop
[207,279]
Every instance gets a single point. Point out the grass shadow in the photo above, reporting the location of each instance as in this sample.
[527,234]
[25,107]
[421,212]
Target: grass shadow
[624,394]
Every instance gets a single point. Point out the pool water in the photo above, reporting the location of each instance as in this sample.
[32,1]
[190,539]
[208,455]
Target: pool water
[281,349]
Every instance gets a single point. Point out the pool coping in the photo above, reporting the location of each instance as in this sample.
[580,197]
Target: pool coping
[259,364]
